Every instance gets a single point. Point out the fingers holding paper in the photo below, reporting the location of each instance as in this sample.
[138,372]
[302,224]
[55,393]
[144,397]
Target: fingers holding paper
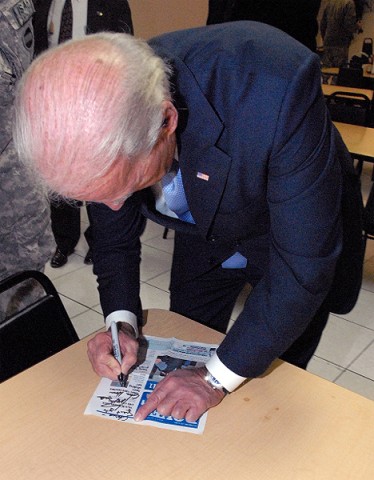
[182,394]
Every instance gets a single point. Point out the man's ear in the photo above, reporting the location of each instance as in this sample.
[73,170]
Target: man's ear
[170,118]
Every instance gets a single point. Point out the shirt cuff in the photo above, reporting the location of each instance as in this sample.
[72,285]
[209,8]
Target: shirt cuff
[224,375]
[123,316]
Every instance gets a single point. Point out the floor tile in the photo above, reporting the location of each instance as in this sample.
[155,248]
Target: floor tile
[357,383]
[343,341]
[98,309]
[368,278]
[363,312]
[364,363]
[84,218]
[163,244]
[153,297]
[369,250]
[75,262]
[240,302]
[82,247]
[322,368]
[231,323]
[87,323]
[152,230]
[72,307]
[154,262]
[161,281]
[79,285]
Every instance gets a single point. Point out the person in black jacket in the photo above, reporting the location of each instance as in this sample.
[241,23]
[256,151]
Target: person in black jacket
[298,18]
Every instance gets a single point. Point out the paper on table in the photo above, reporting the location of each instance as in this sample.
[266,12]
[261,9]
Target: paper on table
[160,356]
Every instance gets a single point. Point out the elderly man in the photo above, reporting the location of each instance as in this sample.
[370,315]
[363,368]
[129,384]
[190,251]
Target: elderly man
[265,177]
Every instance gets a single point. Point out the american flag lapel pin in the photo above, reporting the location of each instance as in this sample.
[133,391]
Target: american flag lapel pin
[203,176]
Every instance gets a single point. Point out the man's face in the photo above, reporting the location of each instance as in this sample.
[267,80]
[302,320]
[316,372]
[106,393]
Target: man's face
[124,177]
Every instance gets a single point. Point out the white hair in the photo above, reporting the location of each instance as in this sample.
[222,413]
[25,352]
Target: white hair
[84,104]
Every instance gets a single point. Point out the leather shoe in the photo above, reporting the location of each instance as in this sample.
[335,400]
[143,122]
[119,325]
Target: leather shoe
[88,260]
[59,259]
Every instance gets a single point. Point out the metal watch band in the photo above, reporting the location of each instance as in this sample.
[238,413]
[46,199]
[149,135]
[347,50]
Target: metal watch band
[213,382]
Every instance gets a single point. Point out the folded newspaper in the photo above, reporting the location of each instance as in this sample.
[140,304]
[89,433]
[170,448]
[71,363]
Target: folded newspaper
[159,356]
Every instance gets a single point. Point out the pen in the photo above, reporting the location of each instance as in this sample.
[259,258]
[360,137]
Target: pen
[117,351]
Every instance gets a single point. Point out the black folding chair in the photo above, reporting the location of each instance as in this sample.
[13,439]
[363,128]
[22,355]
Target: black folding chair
[37,331]
[353,108]
[367,46]
[349,107]
[350,77]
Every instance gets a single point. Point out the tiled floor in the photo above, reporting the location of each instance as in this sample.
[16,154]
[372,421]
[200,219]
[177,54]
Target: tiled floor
[345,355]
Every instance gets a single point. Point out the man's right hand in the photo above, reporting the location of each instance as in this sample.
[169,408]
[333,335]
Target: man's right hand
[100,353]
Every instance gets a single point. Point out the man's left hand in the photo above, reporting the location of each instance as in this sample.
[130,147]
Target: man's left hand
[181,394]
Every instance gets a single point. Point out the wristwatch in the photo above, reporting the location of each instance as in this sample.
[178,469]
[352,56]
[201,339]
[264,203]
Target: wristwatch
[213,382]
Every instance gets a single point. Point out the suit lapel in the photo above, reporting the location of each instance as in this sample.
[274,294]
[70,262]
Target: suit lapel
[204,166]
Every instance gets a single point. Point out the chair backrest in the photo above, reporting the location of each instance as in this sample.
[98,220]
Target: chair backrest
[350,77]
[36,332]
[349,107]
[367,46]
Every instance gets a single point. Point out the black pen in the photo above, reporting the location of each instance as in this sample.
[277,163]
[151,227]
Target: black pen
[117,351]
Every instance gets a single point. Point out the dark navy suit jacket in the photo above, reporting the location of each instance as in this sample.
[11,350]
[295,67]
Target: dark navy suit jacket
[252,120]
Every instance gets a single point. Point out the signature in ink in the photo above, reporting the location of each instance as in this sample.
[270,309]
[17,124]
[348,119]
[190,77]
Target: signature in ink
[119,406]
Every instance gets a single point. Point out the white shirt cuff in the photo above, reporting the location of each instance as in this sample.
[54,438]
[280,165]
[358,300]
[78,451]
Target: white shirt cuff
[123,316]
[224,375]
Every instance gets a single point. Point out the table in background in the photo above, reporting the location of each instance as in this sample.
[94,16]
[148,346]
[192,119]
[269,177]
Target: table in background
[367,76]
[359,140]
[335,71]
[287,425]
[330,89]
[330,70]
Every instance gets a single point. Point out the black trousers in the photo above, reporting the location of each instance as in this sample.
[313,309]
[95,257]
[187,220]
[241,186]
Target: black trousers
[210,299]
[66,225]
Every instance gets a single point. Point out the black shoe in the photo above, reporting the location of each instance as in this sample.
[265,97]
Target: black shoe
[59,259]
[88,260]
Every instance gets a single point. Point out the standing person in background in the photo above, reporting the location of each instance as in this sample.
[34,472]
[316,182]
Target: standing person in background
[26,240]
[87,16]
[338,25]
[220,11]
[359,4]
[298,18]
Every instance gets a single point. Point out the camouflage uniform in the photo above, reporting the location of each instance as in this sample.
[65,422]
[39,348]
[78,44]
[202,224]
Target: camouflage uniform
[26,241]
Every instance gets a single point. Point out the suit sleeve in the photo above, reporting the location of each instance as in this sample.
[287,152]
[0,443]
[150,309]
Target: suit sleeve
[304,200]
[116,252]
